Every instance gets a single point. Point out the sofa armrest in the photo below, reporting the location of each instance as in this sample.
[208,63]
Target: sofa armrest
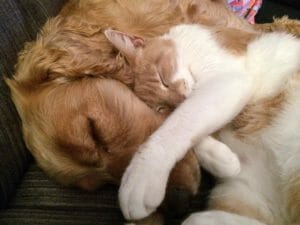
[19,22]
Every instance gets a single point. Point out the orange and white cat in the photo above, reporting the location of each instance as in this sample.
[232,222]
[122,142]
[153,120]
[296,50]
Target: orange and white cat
[247,90]
[213,155]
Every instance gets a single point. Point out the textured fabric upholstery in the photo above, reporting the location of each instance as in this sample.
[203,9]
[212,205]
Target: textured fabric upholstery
[19,22]
[40,201]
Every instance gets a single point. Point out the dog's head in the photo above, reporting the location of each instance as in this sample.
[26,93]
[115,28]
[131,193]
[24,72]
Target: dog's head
[83,133]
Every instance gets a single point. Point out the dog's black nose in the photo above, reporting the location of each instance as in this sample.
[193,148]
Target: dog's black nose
[177,202]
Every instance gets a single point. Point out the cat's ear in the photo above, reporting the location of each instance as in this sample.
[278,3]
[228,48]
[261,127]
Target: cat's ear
[125,43]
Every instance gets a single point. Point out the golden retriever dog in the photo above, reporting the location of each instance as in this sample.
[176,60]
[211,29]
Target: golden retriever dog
[72,89]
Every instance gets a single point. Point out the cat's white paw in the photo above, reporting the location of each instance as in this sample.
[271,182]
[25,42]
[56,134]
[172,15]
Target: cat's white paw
[142,187]
[219,160]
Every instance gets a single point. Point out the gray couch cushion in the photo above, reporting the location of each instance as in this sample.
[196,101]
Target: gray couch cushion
[19,22]
[39,201]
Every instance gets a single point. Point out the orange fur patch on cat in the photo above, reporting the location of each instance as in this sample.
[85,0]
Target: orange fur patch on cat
[232,40]
[256,116]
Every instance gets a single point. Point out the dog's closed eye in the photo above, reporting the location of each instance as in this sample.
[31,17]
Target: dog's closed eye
[96,135]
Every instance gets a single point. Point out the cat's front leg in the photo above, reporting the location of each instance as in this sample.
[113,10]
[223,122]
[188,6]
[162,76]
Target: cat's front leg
[144,182]
[205,111]
[217,158]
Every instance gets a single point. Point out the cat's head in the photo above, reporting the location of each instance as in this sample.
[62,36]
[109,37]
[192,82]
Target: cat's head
[160,77]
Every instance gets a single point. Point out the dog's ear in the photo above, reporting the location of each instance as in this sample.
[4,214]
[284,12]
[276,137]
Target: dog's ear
[127,44]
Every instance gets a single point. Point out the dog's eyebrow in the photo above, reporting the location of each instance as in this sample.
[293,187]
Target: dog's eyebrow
[96,135]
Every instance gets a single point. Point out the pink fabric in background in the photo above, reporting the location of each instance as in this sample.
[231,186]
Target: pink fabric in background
[246,8]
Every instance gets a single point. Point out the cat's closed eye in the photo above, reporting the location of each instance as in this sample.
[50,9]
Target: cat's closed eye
[163,82]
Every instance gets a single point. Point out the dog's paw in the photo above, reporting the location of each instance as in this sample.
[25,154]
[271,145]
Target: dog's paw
[142,187]
[219,160]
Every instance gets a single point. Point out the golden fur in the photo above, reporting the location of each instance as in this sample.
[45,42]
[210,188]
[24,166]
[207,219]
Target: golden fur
[281,24]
